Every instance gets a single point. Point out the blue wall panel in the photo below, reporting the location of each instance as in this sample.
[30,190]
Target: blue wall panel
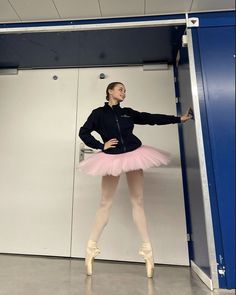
[217,49]
[215,19]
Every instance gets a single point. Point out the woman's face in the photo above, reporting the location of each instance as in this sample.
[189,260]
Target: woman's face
[118,92]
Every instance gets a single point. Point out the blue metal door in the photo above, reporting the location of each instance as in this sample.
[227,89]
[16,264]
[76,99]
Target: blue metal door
[216,48]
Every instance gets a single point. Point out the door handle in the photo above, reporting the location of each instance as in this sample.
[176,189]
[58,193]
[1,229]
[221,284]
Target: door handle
[84,150]
[87,151]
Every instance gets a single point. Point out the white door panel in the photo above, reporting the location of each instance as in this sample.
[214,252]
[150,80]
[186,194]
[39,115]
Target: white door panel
[151,91]
[37,131]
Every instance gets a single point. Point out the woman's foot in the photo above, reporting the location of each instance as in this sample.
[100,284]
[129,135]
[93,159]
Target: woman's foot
[146,252]
[91,252]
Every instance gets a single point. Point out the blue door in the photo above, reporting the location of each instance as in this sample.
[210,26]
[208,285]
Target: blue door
[216,49]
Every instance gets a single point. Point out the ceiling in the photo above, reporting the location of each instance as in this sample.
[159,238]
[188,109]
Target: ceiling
[17,11]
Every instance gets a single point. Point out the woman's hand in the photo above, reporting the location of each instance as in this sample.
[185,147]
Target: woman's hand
[110,143]
[187,116]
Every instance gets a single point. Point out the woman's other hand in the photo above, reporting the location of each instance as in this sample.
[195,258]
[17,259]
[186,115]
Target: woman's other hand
[110,144]
[187,116]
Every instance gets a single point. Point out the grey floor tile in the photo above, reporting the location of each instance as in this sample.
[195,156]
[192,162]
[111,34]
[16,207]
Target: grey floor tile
[37,275]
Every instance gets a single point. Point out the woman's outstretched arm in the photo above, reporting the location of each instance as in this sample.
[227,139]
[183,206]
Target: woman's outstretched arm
[143,118]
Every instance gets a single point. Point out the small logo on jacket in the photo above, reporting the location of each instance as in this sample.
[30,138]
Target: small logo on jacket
[125,116]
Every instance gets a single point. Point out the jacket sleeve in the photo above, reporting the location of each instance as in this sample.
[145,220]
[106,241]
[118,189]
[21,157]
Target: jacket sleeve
[143,118]
[85,133]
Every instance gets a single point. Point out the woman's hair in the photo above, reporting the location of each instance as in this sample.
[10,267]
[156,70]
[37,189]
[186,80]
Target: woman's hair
[111,86]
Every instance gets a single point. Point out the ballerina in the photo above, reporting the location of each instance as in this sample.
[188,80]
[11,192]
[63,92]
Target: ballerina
[121,152]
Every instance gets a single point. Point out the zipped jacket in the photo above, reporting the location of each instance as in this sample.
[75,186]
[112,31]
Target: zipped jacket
[116,122]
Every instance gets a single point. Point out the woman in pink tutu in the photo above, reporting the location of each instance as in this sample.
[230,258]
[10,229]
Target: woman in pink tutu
[121,151]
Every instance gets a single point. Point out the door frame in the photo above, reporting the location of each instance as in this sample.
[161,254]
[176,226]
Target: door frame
[213,282]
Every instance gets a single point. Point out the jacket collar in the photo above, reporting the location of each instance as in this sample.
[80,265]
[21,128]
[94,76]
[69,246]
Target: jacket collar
[114,107]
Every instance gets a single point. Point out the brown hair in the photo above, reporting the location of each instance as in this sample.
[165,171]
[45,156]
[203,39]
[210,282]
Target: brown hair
[111,86]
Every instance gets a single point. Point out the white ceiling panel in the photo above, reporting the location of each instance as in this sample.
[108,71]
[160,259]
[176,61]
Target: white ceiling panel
[122,7]
[43,10]
[7,13]
[76,9]
[35,10]
[209,5]
[167,6]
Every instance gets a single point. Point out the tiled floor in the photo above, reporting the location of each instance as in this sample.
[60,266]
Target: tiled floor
[40,275]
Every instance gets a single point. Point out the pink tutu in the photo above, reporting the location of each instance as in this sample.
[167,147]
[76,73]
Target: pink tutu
[143,157]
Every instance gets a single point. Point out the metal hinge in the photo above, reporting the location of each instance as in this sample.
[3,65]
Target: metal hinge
[184,41]
[188,237]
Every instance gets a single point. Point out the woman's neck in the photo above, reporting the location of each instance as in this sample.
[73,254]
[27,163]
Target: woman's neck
[112,102]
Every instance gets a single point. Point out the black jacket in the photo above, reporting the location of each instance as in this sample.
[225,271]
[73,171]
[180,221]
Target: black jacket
[117,122]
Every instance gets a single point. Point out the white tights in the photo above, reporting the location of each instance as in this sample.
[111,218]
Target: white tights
[109,185]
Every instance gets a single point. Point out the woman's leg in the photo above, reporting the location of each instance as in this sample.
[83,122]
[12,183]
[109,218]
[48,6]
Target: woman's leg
[135,183]
[108,187]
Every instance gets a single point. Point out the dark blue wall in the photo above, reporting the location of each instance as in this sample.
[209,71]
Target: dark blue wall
[214,48]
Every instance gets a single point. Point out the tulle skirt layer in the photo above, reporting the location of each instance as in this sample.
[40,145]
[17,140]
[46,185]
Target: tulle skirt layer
[143,158]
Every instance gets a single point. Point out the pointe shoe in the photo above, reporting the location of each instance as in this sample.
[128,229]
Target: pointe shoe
[91,252]
[146,252]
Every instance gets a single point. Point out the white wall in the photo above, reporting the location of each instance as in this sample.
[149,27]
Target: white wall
[46,206]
